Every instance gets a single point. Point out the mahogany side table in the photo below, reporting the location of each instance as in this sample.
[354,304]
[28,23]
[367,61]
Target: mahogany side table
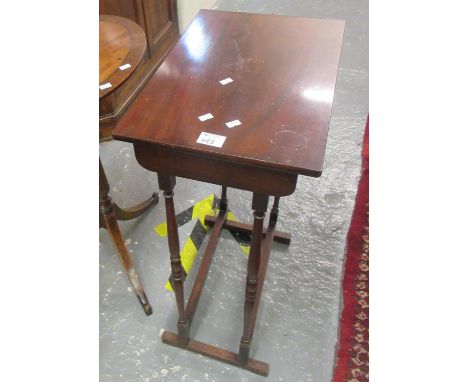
[121,46]
[243,100]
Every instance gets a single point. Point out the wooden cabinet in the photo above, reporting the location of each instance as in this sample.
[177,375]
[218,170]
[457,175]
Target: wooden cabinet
[158,19]
[130,9]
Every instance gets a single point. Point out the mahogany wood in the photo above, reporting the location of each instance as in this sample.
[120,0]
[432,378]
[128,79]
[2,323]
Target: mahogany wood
[234,226]
[256,271]
[223,202]
[130,9]
[108,220]
[205,265]
[159,22]
[121,41]
[167,183]
[135,211]
[231,174]
[284,72]
[265,256]
[216,353]
[259,204]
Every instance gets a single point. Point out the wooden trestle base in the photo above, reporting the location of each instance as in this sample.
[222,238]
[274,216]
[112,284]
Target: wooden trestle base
[216,353]
[264,166]
[257,267]
[234,226]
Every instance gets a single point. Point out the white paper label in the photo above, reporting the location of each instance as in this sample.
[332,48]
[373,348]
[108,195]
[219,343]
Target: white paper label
[211,139]
[233,123]
[105,86]
[204,117]
[226,81]
[126,66]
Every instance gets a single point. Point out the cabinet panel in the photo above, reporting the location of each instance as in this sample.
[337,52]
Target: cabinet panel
[157,12]
[161,21]
[158,19]
[130,9]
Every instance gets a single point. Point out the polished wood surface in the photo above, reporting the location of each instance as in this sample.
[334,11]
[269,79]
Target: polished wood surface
[167,183]
[162,25]
[121,42]
[114,43]
[207,257]
[158,19]
[259,205]
[109,213]
[212,170]
[216,353]
[284,71]
[238,227]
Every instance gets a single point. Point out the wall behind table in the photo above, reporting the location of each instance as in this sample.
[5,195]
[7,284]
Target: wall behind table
[187,9]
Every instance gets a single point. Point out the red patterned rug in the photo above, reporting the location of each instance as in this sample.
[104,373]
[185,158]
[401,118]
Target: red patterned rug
[352,361]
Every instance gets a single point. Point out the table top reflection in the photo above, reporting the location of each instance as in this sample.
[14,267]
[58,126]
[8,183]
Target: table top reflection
[265,83]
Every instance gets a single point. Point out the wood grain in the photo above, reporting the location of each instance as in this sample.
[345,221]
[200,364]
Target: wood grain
[121,41]
[216,353]
[161,34]
[284,71]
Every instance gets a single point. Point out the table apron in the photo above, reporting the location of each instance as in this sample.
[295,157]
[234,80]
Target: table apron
[214,170]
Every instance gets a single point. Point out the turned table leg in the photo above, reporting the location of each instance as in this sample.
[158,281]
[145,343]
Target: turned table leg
[259,205]
[223,202]
[166,184]
[256,271]
[108,220]
[265,256]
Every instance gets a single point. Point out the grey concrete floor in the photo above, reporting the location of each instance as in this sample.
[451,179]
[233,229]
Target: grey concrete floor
[297,336]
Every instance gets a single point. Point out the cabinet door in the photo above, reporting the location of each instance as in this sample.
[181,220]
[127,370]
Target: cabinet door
[161,24]
[130,9]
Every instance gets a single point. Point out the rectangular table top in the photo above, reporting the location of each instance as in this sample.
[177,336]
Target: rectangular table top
[279,77]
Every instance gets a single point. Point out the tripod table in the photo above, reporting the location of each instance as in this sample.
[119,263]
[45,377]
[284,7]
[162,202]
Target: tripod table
[122,45]
[244,101]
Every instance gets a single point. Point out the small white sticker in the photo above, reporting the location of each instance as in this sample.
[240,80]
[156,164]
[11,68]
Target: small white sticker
[105,86]
[233,123]
[226,81]
[126,66]
[204,117]
[211,139]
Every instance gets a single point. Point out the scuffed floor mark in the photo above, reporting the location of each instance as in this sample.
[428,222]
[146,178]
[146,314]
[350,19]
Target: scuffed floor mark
[176,369]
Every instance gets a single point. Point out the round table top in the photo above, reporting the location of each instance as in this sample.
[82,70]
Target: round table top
[122,44]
